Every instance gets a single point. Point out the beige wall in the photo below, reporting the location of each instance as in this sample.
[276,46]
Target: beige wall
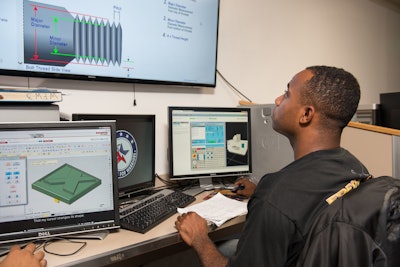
[262,44]
[373,149]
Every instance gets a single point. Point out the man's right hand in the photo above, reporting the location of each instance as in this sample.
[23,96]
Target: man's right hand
[248,189]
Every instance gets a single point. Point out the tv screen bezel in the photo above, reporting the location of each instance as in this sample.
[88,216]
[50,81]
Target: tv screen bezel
[96,78]
[207,175]
[21,231]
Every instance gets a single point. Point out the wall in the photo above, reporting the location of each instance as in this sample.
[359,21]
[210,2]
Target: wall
[262,44]
[373,149]
[378,148]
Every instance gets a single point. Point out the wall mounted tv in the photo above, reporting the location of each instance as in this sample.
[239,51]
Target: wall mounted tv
[153,41]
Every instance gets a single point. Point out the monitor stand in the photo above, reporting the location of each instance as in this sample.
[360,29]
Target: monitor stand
[101,234]
[206,183]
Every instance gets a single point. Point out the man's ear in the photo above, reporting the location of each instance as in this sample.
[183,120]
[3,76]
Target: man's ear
[307,115]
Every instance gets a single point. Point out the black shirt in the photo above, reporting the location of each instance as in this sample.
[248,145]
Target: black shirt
[283,206]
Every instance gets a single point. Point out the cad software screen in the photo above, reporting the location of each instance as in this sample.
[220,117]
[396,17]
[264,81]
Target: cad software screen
[209,141]
[55,175]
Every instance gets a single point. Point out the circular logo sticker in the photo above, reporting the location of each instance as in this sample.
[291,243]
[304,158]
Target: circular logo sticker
[127,153]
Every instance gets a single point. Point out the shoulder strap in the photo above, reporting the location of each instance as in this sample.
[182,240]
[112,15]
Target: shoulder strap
[353,184]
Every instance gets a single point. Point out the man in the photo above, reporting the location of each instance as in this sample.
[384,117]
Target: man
[318,103]
[25,257]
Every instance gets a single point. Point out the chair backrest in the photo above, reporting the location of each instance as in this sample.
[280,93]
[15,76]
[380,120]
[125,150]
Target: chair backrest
[361,228]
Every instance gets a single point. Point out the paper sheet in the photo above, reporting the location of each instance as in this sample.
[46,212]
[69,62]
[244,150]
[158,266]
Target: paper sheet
[218,209]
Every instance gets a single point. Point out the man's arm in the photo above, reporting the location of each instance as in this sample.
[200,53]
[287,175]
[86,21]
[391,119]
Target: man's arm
[194,231]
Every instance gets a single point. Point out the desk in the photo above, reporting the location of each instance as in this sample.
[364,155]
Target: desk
[127,248]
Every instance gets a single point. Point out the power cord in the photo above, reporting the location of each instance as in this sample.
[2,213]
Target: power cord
[46,245]
[134,95]
[241,95]
[182,185]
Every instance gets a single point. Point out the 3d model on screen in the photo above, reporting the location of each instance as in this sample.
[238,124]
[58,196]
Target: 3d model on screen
[54,36]
[66,183]
[237,146]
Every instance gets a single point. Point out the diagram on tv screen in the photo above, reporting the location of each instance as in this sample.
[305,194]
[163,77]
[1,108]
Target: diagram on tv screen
[66,183]
[55,36]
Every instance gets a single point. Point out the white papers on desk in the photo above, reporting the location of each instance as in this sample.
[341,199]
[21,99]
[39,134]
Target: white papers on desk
[218,209]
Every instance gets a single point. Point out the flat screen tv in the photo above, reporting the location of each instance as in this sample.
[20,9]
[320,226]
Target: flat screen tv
[135,150]
[390,110]
[136,41]
[57,178]
[209,142]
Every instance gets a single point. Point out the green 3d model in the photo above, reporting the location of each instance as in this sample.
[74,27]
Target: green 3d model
[66,183]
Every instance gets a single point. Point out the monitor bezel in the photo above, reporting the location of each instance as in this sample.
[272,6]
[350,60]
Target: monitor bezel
[48,231]
[133,189]
[208,175]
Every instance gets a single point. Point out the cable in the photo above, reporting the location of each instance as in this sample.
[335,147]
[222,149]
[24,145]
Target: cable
[233,87]
[184,184]
[47,243]
[134,95]
[165,181]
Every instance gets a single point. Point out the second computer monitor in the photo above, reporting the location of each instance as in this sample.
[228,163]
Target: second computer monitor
[209,142]
[135,149]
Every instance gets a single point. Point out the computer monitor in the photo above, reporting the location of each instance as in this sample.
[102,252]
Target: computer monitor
[57,178]
[209,142]
[390,110]
[135,150]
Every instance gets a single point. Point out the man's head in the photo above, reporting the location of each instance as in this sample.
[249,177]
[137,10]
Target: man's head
[335,93]
[326,97]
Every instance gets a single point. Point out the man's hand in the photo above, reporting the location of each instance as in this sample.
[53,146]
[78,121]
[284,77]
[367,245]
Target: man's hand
[25,257]
[194,231]
[192,228]
[249,187]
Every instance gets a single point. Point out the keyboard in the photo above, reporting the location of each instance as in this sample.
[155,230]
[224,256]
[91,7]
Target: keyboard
[153,210]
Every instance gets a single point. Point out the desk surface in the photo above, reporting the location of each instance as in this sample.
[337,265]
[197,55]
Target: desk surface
[124,246]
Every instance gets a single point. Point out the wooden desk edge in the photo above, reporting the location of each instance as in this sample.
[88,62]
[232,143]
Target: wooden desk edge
[374,128]
[137,254]
[146,251]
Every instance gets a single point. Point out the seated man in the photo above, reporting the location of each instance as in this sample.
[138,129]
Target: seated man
[318,103]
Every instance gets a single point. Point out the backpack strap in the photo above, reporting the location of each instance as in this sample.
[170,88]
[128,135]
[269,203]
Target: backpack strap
[353,184]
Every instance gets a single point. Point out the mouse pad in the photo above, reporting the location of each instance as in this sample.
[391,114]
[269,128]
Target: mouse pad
[66,183]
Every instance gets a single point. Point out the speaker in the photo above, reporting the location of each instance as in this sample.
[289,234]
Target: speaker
[271,151]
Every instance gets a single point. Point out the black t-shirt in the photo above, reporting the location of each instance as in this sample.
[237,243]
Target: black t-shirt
[284,204]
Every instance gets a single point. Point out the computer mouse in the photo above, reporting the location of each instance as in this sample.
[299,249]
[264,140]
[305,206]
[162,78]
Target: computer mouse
[236,188]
